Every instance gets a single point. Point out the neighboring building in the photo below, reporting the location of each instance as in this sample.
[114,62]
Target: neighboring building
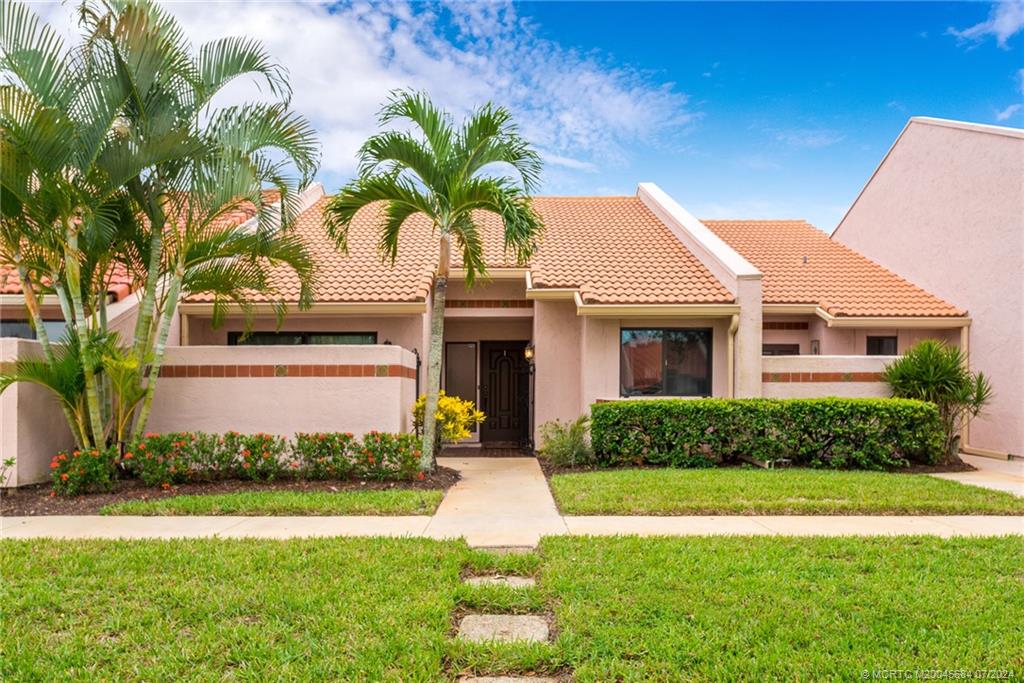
[945,208]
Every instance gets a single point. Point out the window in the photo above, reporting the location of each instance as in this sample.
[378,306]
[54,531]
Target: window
[780,349]
[297,338]
[881,346]
[665,362]
[22,329]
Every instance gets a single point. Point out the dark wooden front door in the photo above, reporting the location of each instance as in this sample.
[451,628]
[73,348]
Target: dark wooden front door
[504,391]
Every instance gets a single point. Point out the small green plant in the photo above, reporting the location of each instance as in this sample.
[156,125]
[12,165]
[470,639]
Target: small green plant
[456,417]
[84,471]
[938,373]
[262,456]
[5,470]
[567,444]
[388,456]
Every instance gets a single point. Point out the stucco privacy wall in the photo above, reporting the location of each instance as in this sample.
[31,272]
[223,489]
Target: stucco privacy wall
[284,390]
[32,426]
[820,376]
[945,209]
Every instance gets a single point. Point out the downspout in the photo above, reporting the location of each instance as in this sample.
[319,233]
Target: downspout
[965,336]
[734,326]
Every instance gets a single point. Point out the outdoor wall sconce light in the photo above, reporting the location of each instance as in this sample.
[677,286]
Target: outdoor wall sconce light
[528,353]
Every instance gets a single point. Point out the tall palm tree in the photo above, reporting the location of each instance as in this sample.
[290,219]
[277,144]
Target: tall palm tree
[447,174]
[110,153]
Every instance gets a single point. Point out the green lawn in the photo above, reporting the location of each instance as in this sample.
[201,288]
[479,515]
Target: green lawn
[772,492]
[388,502]
[634,609]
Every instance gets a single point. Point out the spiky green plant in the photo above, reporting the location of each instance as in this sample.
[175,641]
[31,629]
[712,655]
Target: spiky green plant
[446,174]
[937,372]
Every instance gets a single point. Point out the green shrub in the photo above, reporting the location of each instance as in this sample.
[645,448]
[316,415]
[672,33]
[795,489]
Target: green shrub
[388,456]
[568,444]
[89,471]
[933,371]
[324,455]
[262,456]
[178,457]
[828,432]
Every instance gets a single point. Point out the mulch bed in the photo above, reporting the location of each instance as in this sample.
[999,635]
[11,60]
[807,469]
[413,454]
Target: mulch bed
[36,499]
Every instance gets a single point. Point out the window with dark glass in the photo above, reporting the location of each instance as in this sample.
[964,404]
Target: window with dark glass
[665,362]
[22,329]
[780,349]
[297,338]
[881,346]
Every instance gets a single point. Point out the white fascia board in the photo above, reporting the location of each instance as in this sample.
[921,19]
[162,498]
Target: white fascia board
[724,262]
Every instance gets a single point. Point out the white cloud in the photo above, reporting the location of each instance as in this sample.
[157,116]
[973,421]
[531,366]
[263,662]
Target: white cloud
[1005,20]
[809,138]
[580,108]
[1008,112]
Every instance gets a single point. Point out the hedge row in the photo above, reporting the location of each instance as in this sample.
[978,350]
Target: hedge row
[180,457]
[834,433]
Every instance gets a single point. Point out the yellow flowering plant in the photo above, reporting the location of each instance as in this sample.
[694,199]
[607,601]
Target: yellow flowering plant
[455,417]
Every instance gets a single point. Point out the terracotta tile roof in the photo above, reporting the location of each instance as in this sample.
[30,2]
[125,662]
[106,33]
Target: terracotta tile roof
[613,249]
[838,279]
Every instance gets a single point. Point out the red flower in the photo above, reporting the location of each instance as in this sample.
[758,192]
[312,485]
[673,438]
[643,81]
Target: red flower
[54,464]
[64,477]
[420,476]
[165,486]
[245,465]
[128,456]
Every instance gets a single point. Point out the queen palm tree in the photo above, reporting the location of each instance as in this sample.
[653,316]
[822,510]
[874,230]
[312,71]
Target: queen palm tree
[447,174]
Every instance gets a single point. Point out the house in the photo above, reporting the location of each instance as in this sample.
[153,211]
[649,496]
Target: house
[626,297]
[945,208]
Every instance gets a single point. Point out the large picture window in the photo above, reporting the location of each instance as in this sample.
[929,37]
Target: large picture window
[665,362]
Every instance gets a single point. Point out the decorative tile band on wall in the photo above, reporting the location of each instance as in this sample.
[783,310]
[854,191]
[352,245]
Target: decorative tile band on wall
[774,325]
[187,371]
[488,303]
[821,377]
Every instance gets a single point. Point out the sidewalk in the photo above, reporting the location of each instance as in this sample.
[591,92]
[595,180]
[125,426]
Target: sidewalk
[506,502]
[999,475]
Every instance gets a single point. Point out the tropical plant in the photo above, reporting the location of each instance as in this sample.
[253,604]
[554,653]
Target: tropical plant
[446,174]
[455,417]
[937,372]
[112,160]
[567,444]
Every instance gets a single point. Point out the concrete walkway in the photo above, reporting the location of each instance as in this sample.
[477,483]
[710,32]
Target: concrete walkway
[999,475]
[498,502]
[506,502]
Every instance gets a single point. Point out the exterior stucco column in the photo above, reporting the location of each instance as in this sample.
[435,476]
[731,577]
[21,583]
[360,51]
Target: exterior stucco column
[747,379]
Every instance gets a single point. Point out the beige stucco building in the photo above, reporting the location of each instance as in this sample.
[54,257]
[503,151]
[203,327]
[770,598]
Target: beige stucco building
[945,208]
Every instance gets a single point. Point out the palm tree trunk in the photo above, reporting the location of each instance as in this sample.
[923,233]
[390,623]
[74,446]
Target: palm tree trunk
[148,304]
[74,278]
[158,354]
[428,460]
[32,304]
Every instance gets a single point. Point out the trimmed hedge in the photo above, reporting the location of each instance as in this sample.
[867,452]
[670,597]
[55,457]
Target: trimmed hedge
[838,433]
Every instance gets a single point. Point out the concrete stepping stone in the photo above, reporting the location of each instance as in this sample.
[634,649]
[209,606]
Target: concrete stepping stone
[501,580]
[503,628]
[505,679]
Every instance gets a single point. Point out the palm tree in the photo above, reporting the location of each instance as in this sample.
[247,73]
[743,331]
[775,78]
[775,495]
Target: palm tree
[446,174]
[110,153]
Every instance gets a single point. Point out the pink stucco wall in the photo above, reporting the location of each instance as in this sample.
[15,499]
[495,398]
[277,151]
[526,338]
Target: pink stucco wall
[946,211]
[285,405]
[32,426]
[400,330]
[849,341]
[810,365]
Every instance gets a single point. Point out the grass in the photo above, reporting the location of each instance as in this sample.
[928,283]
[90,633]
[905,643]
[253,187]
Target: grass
[387,502]
[772,492]
[628,608]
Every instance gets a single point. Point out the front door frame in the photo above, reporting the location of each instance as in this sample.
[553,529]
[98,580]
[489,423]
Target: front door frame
[517,346]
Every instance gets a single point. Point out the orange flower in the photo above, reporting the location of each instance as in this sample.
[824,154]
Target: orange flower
[245,465]
[420,476]
[128,456]
[165,486]
[64,477]
[54,464]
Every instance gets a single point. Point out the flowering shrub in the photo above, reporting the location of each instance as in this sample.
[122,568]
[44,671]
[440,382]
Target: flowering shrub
[324,455]
[388,456]
[76,472]
[177,457]
[262,456]
[455,417]
[168,459]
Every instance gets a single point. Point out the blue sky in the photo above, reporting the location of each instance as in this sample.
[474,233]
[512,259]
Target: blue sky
[741,110]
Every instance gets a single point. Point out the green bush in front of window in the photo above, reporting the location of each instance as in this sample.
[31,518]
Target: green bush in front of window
[837,433]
